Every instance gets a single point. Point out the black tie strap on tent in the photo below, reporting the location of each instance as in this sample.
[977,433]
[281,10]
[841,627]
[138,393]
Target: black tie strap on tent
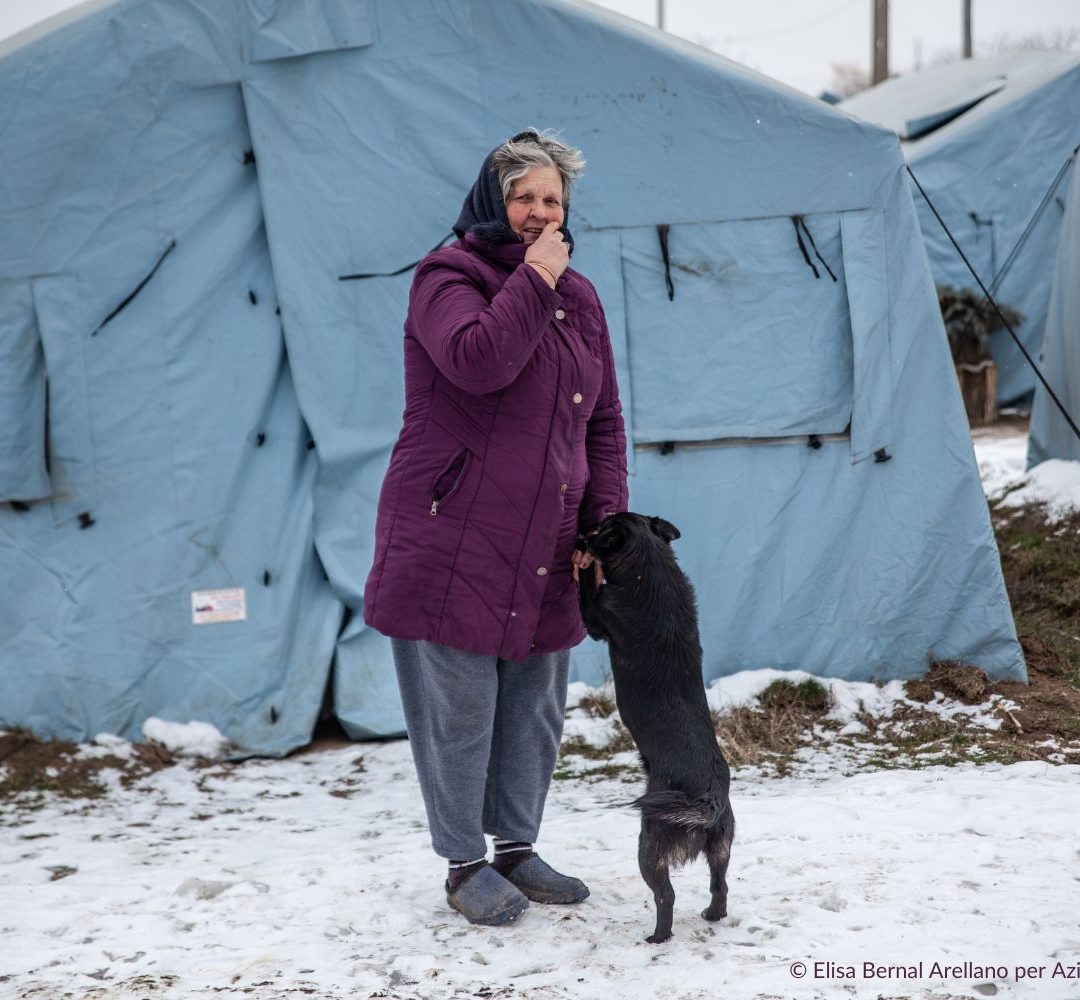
[801,227]
[662,231]
[400,270]
[138,288]
[1001,316]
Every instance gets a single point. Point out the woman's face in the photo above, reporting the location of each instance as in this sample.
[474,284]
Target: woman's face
[536,198]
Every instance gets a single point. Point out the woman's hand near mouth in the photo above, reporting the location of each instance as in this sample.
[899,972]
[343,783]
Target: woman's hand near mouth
[549,253]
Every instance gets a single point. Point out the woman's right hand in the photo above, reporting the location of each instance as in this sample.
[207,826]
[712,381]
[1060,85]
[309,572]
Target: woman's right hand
[583,560]
[549,250]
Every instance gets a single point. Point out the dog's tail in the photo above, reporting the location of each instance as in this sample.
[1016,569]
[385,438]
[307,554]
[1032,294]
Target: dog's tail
[679,809]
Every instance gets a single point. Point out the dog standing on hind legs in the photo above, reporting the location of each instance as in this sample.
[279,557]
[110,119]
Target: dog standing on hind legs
[646,611]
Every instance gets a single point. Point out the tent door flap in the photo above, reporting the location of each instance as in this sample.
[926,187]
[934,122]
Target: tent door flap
[23,394]
[868,304]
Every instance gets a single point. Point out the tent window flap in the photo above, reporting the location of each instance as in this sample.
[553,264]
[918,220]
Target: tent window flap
[759,308]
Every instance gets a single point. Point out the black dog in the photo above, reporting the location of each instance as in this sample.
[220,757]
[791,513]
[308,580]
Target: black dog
[646,611]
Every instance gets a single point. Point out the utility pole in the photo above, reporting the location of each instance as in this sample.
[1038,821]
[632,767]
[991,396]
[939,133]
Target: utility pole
[880,52]
[967,29]
[660,14]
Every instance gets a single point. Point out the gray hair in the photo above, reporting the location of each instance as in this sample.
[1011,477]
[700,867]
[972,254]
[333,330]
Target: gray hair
[537,148]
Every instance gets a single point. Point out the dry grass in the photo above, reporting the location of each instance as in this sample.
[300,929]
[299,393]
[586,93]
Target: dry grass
[599,703]
[954,680]
[620,742]
[782,724]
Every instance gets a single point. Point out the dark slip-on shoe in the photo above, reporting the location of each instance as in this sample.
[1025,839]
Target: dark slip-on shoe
[485,897]
[542,884]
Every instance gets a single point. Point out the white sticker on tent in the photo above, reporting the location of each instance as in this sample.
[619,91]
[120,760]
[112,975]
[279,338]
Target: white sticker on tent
[210,606]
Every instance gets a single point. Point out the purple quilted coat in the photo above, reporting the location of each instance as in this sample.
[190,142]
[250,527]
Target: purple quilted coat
[512,440]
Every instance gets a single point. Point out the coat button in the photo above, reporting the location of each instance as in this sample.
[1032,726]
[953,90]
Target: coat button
[560,314]
[577,397]
[564,487]
[541,571]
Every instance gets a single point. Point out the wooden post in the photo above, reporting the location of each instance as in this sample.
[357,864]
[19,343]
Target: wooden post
[880,49]
[978,386]
[967,29]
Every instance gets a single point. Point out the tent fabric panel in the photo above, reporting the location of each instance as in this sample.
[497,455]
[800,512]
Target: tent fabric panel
[366,698]
[1026,288]
[180,460]
[901,564]
[97,89]
[864,241]
[1049,435]
[284,29]
[23,471]
[598,255]
[641,104]
[766,328]
[325,174]
[187,514]
[825,600]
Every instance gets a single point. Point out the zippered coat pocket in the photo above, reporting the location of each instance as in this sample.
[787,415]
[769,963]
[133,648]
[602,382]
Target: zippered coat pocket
[448,481]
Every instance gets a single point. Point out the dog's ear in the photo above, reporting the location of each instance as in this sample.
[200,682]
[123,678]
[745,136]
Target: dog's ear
[665,529]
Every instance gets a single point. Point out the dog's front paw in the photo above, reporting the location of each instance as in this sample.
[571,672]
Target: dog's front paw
[594,633]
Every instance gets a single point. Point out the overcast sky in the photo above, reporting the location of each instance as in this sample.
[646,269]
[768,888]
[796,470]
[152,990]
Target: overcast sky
[795,41]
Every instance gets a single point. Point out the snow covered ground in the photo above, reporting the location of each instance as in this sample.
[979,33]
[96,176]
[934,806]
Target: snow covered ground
[1001,459]
[312,876]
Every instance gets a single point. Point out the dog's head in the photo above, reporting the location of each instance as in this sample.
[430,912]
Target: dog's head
[627,537]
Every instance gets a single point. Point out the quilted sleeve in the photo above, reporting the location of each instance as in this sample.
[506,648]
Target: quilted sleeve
[605,447]
[479,346]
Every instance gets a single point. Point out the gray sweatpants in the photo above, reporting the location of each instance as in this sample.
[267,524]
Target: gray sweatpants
[485,736]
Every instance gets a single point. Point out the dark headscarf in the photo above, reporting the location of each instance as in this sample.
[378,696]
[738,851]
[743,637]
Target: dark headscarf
[484,212]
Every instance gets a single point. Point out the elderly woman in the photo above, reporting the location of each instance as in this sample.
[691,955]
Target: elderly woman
[512,444]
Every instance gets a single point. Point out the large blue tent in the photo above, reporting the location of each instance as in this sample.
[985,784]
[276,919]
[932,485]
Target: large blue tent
[987,139]
[1050,435]
[197,412]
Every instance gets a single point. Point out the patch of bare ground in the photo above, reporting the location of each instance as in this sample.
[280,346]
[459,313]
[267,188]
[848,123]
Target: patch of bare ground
[1039,720]
[33,770]
[1041,562]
